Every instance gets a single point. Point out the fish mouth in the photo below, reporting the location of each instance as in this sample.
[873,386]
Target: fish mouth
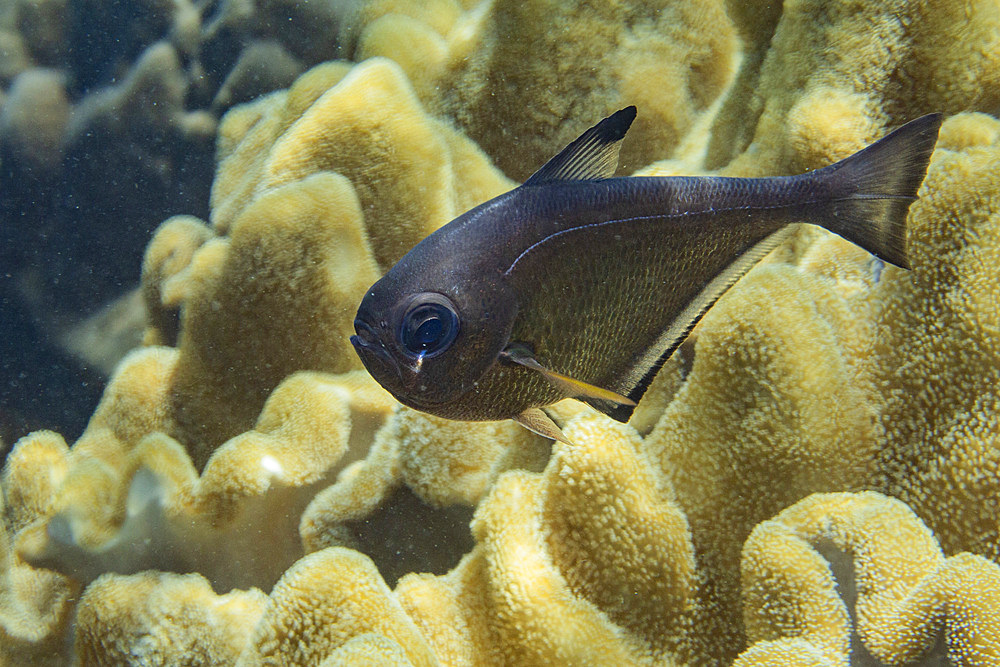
[368,346]
[382,365]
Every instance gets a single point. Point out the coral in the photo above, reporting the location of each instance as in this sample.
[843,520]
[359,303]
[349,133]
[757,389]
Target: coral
[825,78]
[756,407]
[197,451]
[367,650]
[833,561]
[132,484]
[312,240]
[615,567]
[155,618]
[322,601]
[262,66]
[108,127]
[164,265]
[367,125]
[36,606]
[937,360]
[417,462]
[34,117]
[671,59]
[293,265]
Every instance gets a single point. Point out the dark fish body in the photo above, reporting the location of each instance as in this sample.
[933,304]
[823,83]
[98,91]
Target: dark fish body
[572,284]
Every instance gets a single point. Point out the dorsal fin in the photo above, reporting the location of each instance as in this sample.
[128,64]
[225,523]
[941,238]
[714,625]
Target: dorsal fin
[593,155]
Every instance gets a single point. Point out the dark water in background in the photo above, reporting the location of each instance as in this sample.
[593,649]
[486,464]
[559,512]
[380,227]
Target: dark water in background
[72,241]
[73,230]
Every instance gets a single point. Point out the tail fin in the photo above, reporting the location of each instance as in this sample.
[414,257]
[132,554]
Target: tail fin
[872,190]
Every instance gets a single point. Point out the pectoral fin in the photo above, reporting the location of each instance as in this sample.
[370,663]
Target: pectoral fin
[570,387]
[538,422]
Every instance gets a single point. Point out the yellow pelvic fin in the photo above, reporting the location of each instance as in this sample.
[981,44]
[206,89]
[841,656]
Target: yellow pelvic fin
[571,387]
[538,422]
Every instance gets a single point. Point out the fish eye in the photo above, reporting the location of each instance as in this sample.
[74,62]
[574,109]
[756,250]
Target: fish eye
[429,325]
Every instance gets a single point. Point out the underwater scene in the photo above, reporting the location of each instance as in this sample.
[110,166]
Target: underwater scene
[199,469]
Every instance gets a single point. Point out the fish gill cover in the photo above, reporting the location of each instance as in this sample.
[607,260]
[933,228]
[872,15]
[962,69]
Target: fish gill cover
[814,484]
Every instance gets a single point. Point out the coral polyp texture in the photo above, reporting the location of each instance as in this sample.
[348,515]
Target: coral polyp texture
[837,564]
[821,79]
[812,479]
[513,91]
[937,356]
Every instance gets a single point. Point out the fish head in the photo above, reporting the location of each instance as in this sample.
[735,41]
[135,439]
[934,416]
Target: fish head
[428,336]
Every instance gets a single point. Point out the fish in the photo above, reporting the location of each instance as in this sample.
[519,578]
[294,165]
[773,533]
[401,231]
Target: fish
[580,284]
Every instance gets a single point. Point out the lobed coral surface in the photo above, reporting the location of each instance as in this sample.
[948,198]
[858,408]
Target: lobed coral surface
[812,480]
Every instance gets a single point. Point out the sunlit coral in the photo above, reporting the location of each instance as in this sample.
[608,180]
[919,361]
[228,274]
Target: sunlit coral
[112,493]
[36,605]
[590,541]
[824,78]
[322,601]
[835,564]
[671,59]
[755,408]
[157,618]
[385,504]
[937,360]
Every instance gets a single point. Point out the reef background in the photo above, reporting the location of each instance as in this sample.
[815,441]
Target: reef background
[195,196]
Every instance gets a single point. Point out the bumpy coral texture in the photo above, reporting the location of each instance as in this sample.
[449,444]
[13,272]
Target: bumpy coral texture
[938,355]
[203,457]
[197,451]
[691,536]
[835,564]
[318,188]
[129,501]
[821,79]
[147,618]
[521,92]
[36,605]
[590,541]
[756,407]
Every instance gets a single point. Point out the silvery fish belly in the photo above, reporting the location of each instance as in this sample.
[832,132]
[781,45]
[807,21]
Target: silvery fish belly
[578,284]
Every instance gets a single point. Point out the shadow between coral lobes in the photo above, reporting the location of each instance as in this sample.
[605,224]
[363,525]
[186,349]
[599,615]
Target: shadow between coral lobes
[396,537]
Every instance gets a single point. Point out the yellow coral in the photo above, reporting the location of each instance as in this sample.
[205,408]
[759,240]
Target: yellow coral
[614,566]
[446,462]
[421,474]
[367,650]
[36,606]
[671,59]
[803,569]
[367,125]
[156,618]
[316,188]
[167,257]
[113,494]
[756,408]
[295,263]
[817,82]
[33,471]
[938,353]
[321,602]
[424,57]
[818,372]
